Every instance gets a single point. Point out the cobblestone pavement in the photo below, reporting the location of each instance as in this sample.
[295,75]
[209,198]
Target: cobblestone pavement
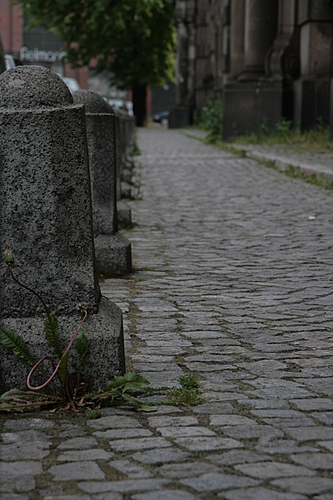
[233,282]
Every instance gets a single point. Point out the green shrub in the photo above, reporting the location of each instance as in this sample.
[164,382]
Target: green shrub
[211,118]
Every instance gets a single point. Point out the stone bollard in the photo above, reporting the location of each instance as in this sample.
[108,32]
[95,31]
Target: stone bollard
[112,250]
[123,209]
[46,219]
[124,174]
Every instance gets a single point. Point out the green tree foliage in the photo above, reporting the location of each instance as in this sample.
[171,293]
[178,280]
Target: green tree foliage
[133,39]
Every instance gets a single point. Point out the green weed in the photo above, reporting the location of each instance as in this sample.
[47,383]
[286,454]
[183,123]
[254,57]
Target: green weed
[189,392]
[316,140]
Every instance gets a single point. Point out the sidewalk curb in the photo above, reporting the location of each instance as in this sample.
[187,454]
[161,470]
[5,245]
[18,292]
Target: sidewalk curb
[286,165]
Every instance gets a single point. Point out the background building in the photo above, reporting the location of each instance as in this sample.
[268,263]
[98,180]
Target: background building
[267,59]
[34,46]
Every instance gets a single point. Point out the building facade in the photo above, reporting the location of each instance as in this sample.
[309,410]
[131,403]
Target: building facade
[267,59]
[34,46]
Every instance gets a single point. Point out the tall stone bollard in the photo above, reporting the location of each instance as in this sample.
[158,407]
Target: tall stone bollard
[112,249]
[46,219]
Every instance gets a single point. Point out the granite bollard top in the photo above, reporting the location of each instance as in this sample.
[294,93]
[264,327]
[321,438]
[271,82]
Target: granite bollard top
[30,87]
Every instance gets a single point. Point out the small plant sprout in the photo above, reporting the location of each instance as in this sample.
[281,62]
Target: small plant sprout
[72,395]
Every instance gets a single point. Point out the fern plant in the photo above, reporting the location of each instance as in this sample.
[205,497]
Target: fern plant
[74,397]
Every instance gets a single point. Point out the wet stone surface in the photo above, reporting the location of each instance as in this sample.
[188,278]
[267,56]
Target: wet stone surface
[233,282]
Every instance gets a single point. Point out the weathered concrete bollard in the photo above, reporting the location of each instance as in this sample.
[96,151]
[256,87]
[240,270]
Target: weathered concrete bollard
[112,249]
[46,219]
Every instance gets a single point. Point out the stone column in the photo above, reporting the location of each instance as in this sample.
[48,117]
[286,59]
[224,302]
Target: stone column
[112,250]
[260,31]
[282,59]
[46,219]
[181,114]
[237,37]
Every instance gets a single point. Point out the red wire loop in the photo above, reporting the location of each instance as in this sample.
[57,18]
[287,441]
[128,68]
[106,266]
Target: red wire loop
[48,358]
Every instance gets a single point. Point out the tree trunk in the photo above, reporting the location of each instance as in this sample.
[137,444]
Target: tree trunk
[140,105]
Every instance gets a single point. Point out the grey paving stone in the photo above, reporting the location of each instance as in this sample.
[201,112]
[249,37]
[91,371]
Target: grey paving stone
[113,422]
[326,444]
[107,496]
[251,431]
[13,496]
[221,420]
[52,491]
[67,497]
[175,432]
[214,408]
[71,433]
[277,413]
[164,455]
[166,410]
[25,468]
[208,443]
[217,481]
[271,470]
[164,495]
[187,469]
[75,471]
[17,483]
[132,471]
[122,433]
[259,494]
[283,423]
[320,385]
[314,460]
[305,485]
[84,455]
[310,433]
[220,396]
[283,446]
[168,421]
[269,403]
[26,436]
[162,379]
[324,417]
[139,444]
[237,457]
[18,476]
[124,486]
[79,443]
[25,450]
[172,369]
[29,423]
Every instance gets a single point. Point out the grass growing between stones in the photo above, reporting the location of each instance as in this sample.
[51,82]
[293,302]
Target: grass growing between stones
[315,140]
[189,392]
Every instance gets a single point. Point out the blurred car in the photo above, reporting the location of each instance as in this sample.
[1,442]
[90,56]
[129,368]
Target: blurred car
[9,60]
[162,118]
[71,83]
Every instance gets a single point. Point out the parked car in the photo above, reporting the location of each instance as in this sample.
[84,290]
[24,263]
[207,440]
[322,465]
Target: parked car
[162,118]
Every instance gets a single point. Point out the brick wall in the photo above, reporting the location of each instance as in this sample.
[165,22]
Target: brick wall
[11,27]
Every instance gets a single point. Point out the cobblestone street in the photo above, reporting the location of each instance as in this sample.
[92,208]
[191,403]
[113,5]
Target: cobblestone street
[233,282]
